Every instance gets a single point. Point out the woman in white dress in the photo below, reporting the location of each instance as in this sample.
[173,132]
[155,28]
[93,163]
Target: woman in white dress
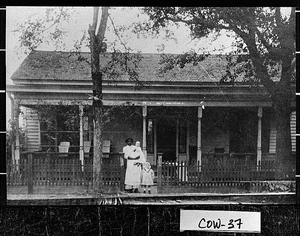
[134,157]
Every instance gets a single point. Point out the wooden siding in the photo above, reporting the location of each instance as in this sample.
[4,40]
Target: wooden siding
[273,134]
[272,146]
[293,130]
[32,125]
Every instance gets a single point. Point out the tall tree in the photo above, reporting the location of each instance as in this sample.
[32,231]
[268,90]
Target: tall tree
[96,44]
[266,37]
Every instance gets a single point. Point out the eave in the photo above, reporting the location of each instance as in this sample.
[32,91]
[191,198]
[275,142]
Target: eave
[166,93]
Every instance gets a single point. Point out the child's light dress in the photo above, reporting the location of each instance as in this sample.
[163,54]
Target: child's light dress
[147,176]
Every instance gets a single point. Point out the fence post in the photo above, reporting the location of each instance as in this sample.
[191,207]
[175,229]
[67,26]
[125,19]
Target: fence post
[30,174]
[122,174]
[159,172]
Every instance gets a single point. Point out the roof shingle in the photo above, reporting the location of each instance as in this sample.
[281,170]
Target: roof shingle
[70,66]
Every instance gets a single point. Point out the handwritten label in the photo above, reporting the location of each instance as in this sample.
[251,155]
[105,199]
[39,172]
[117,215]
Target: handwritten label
[220,221]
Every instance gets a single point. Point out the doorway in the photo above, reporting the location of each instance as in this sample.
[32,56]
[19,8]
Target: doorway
[166,139]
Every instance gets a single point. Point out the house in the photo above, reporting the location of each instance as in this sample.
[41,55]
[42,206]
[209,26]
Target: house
[184,114]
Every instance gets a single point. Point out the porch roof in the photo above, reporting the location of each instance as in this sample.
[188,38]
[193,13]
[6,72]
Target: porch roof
[52,77]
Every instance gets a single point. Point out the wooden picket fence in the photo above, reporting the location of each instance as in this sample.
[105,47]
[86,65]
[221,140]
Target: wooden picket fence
[58,172]
[213,174]
[71,172]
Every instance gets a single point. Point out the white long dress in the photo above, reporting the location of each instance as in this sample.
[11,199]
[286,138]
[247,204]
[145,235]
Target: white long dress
[133,170]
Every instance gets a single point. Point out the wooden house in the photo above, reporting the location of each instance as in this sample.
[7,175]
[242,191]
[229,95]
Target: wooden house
[184,114]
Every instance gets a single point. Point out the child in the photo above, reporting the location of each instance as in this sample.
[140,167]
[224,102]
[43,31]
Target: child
[147,177]
[139,152]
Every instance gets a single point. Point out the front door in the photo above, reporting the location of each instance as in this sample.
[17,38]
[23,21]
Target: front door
[166,139]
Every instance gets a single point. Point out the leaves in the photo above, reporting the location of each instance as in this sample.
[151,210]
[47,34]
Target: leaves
[169,62]
[43,29]
[11,134]
[262,32]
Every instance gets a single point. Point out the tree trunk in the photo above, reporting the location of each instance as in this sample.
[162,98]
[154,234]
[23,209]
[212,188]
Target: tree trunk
[282,98]
[97,113]
[95,47]
[97,157]
[98,127]
[284,159]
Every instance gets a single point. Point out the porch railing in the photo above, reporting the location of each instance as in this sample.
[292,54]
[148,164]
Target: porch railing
[44,169]
[225,172]
[183,171]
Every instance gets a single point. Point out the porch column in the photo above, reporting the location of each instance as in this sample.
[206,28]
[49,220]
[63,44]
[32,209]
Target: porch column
[17,150]
[12,117]
[155,140]
[145,131]
[187,140]
[177,139]
[258,159]
[199,151]
[81,153]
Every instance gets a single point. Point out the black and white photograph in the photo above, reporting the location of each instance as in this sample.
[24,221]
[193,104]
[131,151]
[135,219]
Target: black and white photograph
[178,119]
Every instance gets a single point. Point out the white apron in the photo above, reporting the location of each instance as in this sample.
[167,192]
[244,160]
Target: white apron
[133,170]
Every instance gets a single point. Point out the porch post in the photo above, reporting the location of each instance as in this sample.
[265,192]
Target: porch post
[145,131]
[12,117]
[258,159]
[155,141]
[199,151]
[187,140]
[17,147]
[81,153]
[17,151]
[177,139]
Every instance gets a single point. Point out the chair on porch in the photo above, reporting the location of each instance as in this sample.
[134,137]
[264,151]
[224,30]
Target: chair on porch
[106,148]
[86,146]
[63,148]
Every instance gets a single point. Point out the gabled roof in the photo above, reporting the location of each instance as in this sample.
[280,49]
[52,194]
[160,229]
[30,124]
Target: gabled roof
[41,65]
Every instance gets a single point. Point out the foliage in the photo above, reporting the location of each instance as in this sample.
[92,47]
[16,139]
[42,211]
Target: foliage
[46,29]
[168,62]
[264,37]
[11,135]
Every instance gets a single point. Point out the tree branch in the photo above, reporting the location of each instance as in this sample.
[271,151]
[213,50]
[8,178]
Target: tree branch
[258,65]
[278,16]
[103,24]
[272,50]
[56,21]
[95,19]
[117,34]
